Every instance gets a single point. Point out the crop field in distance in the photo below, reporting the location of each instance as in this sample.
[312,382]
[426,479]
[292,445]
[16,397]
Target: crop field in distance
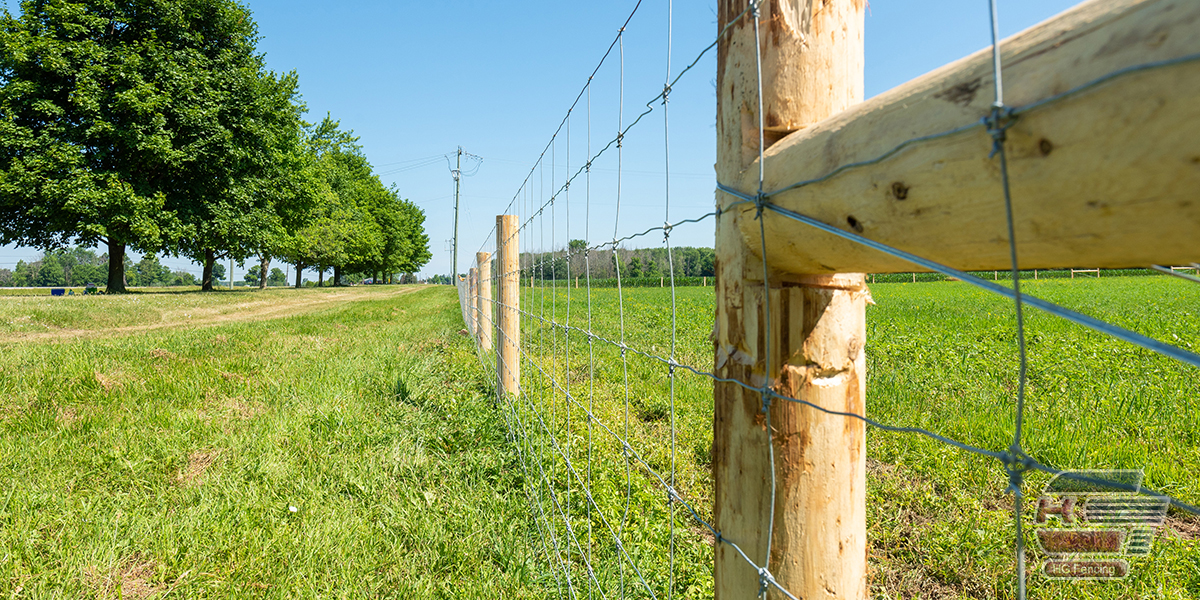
[348,443]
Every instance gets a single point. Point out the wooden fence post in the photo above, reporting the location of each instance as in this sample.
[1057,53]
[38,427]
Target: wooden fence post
[484,299]
[812,67]
[508,317]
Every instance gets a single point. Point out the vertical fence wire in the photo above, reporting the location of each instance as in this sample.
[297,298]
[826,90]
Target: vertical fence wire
[544,418]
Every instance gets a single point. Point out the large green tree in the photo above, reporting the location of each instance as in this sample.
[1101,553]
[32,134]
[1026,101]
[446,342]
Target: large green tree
[124,119]
[339,229]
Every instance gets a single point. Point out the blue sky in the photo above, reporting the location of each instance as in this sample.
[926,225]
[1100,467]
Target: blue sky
[415,80]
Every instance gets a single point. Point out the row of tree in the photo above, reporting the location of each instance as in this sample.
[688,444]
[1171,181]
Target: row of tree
[81,266]
[154,125]
[577,261]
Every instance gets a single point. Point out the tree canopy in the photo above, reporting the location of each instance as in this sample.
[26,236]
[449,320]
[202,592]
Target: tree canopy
[154,125]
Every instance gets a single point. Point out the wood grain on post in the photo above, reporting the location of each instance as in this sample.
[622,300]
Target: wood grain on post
[508,318]
[812,67]
[1106,177]
[473,302]
[484,300]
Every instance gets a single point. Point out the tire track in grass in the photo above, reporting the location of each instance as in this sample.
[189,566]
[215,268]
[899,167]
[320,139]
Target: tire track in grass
[265,308]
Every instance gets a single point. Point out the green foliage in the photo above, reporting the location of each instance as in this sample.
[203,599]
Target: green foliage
[156,126]
[183,278]
[51,272]
[152,125]
[277,277]
[357,224]
[150,272]
[218,271]
[635,267]
[21,276]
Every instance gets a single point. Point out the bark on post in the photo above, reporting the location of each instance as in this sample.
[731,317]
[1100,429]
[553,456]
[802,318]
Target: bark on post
[484,300]
[509,319]
[812,61]
[473,302]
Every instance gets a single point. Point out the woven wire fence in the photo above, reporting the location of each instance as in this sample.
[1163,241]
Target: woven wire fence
[613,422]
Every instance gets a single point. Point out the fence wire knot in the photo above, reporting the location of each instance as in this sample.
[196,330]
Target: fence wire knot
[997,123]
[754,12]
[765,580]
[1016,463]
[666,92]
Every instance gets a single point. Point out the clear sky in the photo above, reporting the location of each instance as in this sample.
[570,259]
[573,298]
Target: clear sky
[415,80]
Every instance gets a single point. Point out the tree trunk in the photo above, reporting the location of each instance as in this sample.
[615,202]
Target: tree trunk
[337,276]
[321,277]
[299,272]
[210,259]
[116,267]
[263,264]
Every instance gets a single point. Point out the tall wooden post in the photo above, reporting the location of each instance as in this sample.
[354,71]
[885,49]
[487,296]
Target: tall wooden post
[473,302]
[812,67]
[484,299]
[509,319]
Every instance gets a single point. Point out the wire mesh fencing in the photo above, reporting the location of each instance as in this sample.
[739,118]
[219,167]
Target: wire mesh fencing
[613,417]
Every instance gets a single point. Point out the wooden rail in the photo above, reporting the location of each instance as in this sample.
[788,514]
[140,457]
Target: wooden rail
[1106,177]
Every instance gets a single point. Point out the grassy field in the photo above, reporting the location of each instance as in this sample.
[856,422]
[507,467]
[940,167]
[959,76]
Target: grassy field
[941,356]
[345,442]
[283,444]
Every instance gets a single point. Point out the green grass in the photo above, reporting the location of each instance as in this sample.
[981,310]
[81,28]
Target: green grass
[157,442]
[941,356]
[347,450]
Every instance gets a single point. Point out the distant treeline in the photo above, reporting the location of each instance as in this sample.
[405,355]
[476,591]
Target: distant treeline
[626,282]
[642,263]
[694,267]
[1007,275]
[80,266]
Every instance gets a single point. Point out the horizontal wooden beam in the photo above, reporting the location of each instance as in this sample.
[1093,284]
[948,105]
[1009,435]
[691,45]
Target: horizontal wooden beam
[1105,177]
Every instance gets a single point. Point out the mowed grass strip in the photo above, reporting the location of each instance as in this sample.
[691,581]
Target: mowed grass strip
[342,448]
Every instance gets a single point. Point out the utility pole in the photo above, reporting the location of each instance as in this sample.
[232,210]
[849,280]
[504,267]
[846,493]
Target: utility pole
[457,173]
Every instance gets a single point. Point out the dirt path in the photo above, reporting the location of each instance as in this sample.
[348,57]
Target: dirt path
[262,309]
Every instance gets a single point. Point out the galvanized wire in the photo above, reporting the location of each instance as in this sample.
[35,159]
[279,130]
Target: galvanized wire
[538,438]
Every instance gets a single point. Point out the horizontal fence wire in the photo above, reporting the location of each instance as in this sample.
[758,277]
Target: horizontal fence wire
[614,513]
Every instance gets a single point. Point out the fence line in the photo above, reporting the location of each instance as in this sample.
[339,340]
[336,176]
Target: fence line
[540,418]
